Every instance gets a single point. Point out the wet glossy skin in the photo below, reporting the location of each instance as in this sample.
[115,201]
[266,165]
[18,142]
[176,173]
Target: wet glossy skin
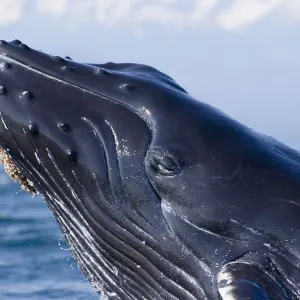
[160,196]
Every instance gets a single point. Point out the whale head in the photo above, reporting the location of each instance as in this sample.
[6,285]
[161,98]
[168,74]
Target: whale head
[144,181]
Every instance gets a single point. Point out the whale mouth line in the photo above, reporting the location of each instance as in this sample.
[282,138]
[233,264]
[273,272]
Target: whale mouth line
[59,78]
[36,70]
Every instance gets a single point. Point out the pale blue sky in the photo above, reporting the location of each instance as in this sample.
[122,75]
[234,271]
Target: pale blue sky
[239,55]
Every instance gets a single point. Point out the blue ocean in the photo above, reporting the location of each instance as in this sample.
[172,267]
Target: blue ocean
[35,262]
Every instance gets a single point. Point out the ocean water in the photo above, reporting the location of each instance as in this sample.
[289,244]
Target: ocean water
[34,261]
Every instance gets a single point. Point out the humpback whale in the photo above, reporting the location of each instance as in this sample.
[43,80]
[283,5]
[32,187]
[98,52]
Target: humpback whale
[159,195]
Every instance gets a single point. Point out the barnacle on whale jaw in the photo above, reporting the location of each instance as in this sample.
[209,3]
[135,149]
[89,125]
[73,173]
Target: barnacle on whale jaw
[15,174]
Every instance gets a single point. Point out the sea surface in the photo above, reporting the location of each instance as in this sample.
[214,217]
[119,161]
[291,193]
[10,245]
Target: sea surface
[34,261]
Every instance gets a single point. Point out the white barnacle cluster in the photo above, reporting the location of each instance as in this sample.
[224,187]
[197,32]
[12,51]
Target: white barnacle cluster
[15,174]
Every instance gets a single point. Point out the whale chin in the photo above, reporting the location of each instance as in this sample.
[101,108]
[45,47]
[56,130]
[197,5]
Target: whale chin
[121,247]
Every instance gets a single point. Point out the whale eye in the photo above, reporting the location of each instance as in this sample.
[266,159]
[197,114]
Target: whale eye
[165,165]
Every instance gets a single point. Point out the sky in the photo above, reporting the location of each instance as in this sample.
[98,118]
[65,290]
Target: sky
[241,56]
